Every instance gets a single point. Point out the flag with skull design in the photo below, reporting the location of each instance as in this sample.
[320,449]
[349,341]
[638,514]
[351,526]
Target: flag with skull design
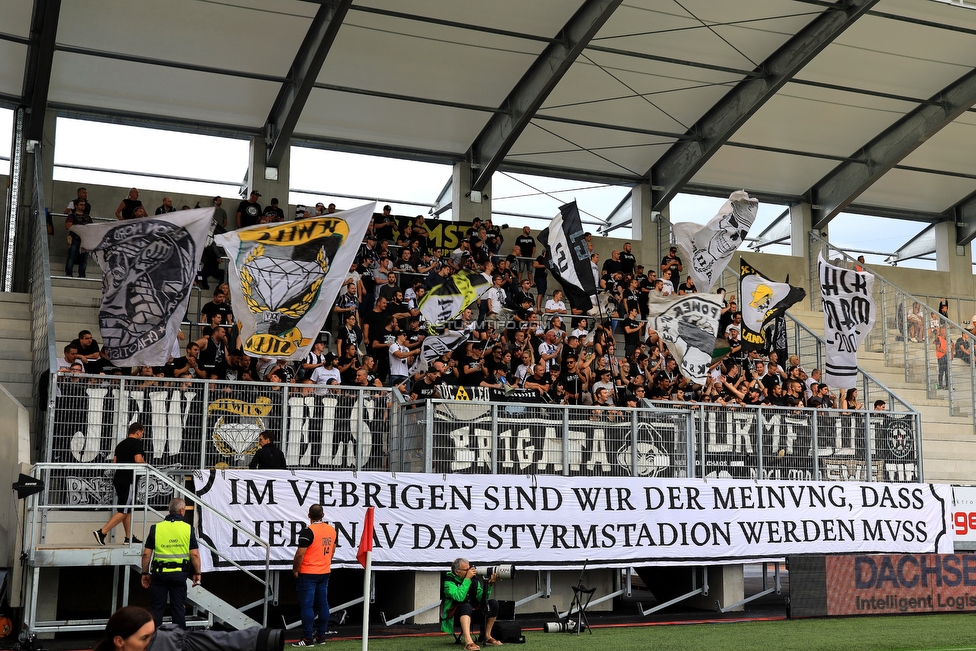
[710,247]
[148,268]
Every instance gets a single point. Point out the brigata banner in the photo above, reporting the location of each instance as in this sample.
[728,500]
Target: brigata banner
[425,521]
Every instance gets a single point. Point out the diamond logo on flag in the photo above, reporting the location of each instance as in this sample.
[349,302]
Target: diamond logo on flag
[286,276]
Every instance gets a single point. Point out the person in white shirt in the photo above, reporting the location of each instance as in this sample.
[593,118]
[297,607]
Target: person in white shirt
[524,369]
[400,356]
[580,330]
[555,305]
[496,301]
[322,374]
[667,287]
[71,356]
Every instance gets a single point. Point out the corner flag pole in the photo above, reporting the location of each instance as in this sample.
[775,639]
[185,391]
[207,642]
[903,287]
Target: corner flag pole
[366,586]
[365,557]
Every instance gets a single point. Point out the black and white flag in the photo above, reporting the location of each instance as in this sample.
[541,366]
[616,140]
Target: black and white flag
[148,268]
[688,326]
[849,314]
[569,257]
[436,345]
[710,247]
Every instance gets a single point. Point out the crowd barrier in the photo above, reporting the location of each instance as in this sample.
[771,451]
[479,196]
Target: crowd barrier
[209,424]
[657,440]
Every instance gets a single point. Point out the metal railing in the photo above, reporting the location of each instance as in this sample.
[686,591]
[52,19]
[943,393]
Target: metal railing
[808,345]
[43,344]
[70,490]
[198,424]
[933,350]
[664,439]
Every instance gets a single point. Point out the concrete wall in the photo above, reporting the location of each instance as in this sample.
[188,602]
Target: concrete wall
[15,453]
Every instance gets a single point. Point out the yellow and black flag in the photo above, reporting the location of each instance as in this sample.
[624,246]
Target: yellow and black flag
[284,278]
[761,300]
[446,301]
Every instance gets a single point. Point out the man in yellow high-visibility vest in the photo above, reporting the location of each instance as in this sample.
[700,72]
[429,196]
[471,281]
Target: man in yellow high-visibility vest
[171,546]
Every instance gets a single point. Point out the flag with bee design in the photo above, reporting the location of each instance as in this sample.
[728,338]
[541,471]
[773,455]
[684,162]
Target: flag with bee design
[284,278]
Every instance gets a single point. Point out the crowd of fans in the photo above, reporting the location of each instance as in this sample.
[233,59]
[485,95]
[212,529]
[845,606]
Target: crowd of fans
[520,334]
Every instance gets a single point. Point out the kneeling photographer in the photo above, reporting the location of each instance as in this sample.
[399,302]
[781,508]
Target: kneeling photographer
[132,629]
[465,593]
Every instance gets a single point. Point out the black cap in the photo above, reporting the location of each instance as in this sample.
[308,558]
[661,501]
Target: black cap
[256,192]
[330,357]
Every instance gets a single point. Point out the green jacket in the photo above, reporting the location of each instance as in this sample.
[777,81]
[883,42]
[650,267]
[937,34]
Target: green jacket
[457,591]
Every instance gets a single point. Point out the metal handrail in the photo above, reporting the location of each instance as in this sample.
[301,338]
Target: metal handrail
[865,377]
[147,470]
[893,302]
[43,342]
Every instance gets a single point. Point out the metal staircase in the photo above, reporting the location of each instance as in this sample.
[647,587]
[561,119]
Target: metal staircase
[55,521]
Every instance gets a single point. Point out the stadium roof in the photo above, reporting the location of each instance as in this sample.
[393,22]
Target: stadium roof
[857,105]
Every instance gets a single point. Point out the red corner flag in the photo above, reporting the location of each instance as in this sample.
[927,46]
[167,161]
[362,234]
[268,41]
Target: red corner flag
[366,542]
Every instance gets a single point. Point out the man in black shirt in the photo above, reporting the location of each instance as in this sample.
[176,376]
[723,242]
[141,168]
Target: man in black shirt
[274,212]
[383,225]
[426,387]
[217,306]
[632,328]
[572,382]
[673,263]
[213,346]
[269,457]
[167,207]
[88,348]
[248,212]
[628,261]
[129,450]
[526,245]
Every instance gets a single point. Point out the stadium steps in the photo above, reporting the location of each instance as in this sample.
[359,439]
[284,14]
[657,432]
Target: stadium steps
[76,304]
[948,441]
[15,347]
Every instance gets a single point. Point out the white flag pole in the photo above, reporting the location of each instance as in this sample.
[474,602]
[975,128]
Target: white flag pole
[366,581]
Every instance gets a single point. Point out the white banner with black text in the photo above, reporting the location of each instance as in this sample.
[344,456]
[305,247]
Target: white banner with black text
[849,314]
[425,521]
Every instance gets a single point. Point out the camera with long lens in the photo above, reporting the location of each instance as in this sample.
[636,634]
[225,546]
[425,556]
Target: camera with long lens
[506,571]
[170,638]
[560,627]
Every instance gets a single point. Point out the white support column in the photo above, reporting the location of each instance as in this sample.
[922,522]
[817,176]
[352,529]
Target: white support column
[955,259]
[643,225]
[271,182]
[801,222]
[465,204]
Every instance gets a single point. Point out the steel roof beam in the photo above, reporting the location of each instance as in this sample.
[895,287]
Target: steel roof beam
[40,59]
[964,215]
[683,160]
[842,185]
[499,135]
[288,106]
